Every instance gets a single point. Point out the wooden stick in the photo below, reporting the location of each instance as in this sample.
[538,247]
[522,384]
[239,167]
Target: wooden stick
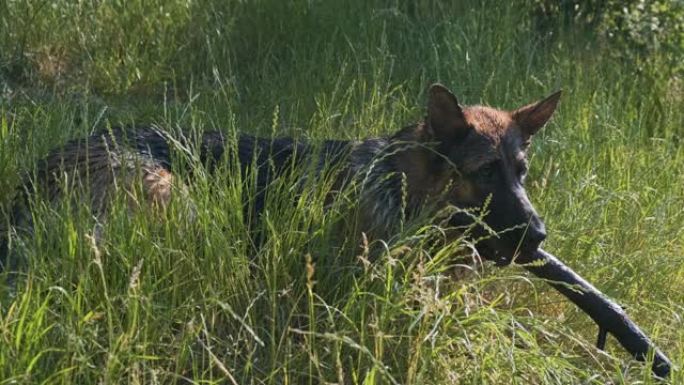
[609,316]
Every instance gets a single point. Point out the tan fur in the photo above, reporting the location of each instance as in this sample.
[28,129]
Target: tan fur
[488,121]
[157,184]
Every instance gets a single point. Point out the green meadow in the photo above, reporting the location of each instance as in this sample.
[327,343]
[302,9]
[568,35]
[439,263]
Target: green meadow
[167,297]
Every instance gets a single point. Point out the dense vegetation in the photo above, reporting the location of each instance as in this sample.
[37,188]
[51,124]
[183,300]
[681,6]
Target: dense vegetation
[169,299]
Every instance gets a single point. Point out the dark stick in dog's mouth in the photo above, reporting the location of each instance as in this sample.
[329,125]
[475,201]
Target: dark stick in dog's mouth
[609,316]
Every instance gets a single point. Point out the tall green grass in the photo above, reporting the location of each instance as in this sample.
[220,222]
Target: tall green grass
[171,298]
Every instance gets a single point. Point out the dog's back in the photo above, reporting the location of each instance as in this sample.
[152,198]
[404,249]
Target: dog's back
[95,167]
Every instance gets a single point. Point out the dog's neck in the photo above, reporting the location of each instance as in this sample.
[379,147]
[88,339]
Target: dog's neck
[396,176]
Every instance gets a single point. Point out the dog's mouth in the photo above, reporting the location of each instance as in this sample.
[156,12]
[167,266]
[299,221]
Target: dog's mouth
[502,248]
[493,254]
[504,256]
[502,260]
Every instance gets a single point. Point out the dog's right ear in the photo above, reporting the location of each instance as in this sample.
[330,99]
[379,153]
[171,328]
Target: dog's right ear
[534,116]
[444,116]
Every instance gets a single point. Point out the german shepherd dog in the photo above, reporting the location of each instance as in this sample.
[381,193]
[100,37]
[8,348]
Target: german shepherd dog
[463,156]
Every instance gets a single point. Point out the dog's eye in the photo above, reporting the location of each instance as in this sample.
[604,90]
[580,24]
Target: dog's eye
[486,172]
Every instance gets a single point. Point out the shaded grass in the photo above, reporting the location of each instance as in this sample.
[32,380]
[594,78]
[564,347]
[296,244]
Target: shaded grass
[167,299]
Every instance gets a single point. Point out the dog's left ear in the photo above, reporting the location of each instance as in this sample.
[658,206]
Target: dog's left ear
[445,115]
[532,117]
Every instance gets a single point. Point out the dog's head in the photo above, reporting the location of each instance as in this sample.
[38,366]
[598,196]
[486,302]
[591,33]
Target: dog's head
[481,162]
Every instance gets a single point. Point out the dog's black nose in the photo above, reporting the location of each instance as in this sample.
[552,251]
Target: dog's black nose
[535,235]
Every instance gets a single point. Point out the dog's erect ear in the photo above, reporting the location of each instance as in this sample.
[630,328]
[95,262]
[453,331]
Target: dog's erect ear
[532,117]
[445,116]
